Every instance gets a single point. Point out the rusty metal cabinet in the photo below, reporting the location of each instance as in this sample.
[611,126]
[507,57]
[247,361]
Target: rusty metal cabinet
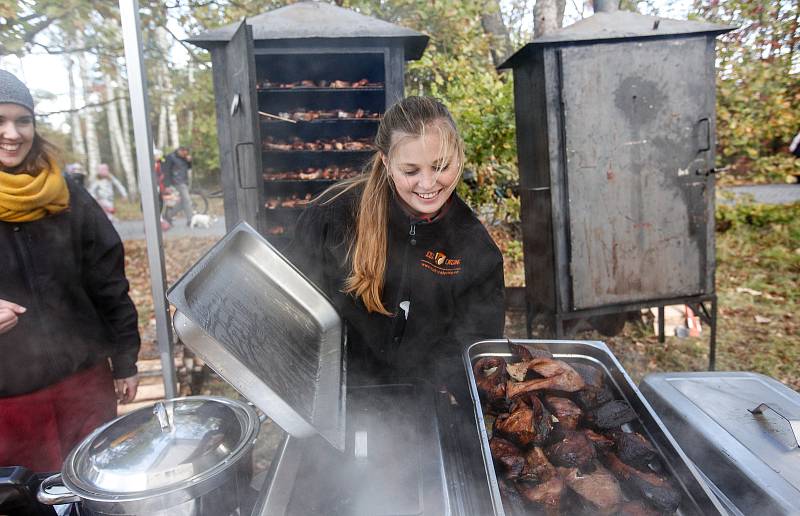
[615,135]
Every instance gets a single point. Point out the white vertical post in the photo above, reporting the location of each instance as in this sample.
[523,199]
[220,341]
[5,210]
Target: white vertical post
[140,108]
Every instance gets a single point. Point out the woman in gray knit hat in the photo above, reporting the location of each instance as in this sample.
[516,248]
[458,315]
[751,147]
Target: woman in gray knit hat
[65,312]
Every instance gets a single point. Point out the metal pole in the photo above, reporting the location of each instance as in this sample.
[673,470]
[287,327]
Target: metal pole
[140,107]
[712,344]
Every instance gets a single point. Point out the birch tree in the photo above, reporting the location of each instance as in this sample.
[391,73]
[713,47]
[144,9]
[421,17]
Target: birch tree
[92,145]
[499,38]
[76,130]
[124,113]
[168,92]
[548,15]
[118,143]
[162,122]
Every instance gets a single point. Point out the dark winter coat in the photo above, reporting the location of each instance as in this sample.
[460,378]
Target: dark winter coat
[175,170]
[68,271]
[449,270]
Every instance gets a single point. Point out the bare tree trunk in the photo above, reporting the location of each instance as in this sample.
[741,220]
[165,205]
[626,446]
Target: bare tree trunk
[548,15]
[92,145]
[122,105]
[118,143]
[168,119]
[493,26]
[190,114]
[116,163]
[78,144]
[169,103]
[163,144]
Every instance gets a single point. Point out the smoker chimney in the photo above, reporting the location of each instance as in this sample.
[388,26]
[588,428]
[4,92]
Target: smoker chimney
[606,6]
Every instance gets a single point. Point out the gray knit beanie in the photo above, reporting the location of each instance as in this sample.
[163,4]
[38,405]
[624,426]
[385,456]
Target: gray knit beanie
[14,91]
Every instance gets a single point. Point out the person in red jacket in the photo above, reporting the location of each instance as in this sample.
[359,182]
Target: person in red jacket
[411,270]
[69,334]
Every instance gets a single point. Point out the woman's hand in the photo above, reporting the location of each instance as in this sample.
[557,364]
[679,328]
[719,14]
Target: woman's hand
[9,314]
[126,388]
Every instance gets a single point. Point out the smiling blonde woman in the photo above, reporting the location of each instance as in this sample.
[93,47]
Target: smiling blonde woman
[411,270]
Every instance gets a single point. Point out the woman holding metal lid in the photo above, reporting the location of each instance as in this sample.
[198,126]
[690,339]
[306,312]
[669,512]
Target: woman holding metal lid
[64,304]
[410,268]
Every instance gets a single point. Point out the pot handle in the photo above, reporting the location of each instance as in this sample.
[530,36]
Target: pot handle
[261,416]
[46,497]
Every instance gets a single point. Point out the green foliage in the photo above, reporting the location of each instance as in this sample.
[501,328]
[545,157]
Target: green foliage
[734,216]
[457,68]
[758,91]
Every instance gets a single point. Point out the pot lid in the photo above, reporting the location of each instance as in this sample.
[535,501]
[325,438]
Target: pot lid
[268,331]
[162,447]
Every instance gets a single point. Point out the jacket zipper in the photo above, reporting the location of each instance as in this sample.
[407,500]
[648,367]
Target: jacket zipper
[27,270]
[395,338]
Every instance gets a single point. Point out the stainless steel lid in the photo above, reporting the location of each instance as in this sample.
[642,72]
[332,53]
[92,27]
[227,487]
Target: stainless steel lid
[752,458]
[160,448]
[268,331]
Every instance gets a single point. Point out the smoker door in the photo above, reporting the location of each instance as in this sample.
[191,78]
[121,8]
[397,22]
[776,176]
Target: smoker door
[240,152]
[637,140]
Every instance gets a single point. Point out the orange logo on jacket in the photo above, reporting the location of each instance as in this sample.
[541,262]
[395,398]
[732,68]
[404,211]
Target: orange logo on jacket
[438,263]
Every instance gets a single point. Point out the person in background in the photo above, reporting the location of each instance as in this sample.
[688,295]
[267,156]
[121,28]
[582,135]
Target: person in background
[794,148]
[409,267]
[75,172]
[69,334]
[177,169]
[103,187]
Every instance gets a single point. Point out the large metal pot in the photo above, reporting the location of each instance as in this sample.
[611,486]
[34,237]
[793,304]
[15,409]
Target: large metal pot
[184,457]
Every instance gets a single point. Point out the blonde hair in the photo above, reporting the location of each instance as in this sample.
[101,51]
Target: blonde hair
[368,248]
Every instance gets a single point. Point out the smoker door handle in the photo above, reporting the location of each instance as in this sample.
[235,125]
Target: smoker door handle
[704,124]
[793,423]
[237,165]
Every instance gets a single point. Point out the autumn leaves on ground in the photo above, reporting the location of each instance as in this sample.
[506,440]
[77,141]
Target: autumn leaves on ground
[758,283]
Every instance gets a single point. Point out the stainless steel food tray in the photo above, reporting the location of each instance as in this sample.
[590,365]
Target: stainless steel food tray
[752,459]
[697,497]
[268,331]
[392,466]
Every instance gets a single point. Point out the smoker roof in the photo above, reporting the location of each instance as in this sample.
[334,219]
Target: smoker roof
[317,20]
[609,26]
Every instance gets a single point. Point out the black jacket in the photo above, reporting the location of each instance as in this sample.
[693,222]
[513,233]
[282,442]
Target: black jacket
[449,270]
[68,270]
[175,170]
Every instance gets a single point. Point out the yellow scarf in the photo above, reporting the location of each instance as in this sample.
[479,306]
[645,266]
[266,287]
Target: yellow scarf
[24,198]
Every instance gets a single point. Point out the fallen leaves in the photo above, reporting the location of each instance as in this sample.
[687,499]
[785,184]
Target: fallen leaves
[179,255]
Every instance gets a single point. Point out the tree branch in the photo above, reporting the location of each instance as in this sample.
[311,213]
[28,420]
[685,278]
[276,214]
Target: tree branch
[91,50]
[87,106]
[184,45]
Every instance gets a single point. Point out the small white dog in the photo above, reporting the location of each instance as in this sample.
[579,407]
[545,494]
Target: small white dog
[200,220]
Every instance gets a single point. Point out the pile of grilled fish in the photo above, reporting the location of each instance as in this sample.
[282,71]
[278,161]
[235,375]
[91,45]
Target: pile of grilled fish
[558,443]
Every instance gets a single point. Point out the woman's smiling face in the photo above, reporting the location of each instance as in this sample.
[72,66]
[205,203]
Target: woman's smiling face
[16,134]
[424,171]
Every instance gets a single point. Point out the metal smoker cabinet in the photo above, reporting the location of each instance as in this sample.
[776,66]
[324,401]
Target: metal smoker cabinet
[253,62]
[615,134]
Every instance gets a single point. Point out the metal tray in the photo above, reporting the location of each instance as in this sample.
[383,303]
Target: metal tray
[393,463]
[752,459]
[697,497]
[268,331]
